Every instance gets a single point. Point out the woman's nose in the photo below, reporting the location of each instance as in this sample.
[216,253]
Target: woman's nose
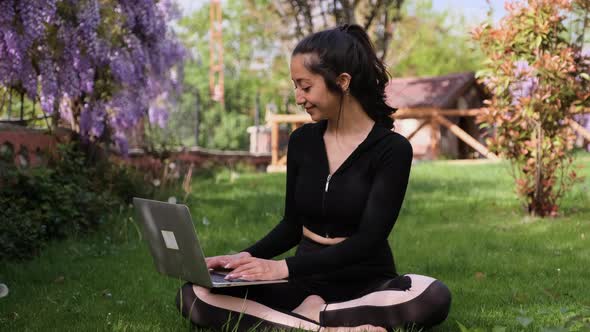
[299,98]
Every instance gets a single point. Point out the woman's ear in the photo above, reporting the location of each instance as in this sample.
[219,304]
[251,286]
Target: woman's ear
[343,80]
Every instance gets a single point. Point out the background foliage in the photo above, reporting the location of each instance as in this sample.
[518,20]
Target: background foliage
[72,195]
[258,38]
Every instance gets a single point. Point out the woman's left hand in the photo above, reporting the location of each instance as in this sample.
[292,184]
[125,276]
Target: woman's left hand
[252,268]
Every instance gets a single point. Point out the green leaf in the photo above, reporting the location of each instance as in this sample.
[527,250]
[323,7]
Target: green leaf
[585,76]
[499,329]
[538,41]
[462,327]
[482,73]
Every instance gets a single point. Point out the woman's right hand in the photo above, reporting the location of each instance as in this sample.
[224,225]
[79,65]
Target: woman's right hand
[219,262]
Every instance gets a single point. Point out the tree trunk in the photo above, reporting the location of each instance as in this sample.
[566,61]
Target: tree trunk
[197,111]
[537,208]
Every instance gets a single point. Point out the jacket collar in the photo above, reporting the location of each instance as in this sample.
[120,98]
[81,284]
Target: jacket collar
[376,134]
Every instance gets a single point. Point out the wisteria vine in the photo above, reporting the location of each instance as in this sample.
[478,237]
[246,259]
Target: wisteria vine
[100,65]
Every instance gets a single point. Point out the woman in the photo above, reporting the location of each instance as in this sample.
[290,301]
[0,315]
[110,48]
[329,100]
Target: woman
[347,175]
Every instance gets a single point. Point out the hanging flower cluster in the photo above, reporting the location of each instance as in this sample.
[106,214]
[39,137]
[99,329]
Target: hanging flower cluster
[101,65]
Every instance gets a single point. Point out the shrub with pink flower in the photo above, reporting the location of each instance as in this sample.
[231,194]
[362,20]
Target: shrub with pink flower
[539,81]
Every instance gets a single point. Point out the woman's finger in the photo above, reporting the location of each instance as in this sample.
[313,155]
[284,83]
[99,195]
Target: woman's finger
[216,261]
[238,262]
[210,262]
[253,277]
[244,269]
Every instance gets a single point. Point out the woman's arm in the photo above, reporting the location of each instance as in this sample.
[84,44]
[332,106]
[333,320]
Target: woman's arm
[287,233]
[380,214]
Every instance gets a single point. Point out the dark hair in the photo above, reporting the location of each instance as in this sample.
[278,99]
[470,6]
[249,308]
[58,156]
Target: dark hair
[348,49]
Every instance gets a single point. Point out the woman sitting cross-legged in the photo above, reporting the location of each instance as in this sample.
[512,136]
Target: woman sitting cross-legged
[347,175]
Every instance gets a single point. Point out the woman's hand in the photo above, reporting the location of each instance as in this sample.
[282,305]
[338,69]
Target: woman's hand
[220,262]
[252,268]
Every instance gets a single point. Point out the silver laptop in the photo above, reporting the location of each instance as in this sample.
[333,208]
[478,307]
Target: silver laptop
[175,248]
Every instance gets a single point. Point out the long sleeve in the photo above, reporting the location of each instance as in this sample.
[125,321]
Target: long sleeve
[379,215]
[287,233]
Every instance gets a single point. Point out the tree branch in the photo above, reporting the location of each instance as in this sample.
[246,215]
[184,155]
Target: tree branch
[389,25]
[348,12]
[371,16]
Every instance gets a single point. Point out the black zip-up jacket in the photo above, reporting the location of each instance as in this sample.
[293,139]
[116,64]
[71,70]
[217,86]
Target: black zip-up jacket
[361,200]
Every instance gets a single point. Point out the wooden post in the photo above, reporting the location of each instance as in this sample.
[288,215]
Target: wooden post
[274,136]
[465,137]
[434,137]
[422,125]
[581,130]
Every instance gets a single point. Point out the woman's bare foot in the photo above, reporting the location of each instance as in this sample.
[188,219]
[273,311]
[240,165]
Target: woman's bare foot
[311,307]
[361,328]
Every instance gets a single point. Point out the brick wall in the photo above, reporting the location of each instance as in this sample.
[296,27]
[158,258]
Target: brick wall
[30,147]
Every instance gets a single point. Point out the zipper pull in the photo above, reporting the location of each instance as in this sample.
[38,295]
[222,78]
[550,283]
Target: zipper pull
[328,181]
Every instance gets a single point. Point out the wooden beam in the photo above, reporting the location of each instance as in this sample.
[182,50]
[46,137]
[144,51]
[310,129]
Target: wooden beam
[431,116]
[465,137]
[402,113]
[419,113]
[422,125]
[282,161]
[434,137]
[578,128]
[288,118]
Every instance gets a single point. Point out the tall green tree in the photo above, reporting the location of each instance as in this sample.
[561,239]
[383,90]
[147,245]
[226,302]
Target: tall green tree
[253,65]
[300,18]
[431,43]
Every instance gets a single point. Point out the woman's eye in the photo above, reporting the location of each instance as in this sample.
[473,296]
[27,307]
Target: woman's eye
[306,89]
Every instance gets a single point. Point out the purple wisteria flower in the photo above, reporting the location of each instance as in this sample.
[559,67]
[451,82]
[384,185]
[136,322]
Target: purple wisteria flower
[121,142]
[89,18]
[36,15]
[86,72]
[65,108]
[92,119]
[158,115]
[115,78]
[49,85]
[6,12]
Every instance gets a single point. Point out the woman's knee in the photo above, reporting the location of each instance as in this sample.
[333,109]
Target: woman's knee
[314,300]
[433,305]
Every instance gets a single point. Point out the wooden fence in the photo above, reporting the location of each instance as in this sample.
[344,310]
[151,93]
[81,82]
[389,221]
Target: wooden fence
[432,117]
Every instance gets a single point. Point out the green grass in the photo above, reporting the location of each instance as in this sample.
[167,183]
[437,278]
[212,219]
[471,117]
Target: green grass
[460,224]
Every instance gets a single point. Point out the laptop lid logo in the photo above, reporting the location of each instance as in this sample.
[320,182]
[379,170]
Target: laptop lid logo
[170,240]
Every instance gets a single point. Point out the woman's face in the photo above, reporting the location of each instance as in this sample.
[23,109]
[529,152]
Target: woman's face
[311,91]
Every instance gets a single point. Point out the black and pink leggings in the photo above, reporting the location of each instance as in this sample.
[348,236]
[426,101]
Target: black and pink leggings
[424,304]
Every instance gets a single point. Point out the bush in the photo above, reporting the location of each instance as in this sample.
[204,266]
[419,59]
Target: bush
[540,84]
[69,196]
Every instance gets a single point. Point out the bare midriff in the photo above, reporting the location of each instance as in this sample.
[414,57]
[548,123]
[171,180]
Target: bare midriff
[320,239]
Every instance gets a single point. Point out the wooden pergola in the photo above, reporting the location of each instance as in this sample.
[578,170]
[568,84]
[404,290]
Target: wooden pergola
[432,117]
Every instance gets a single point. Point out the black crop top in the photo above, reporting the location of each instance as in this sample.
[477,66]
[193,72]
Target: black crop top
[360,200]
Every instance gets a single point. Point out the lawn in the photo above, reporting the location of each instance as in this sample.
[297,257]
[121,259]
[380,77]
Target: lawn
[461,224]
